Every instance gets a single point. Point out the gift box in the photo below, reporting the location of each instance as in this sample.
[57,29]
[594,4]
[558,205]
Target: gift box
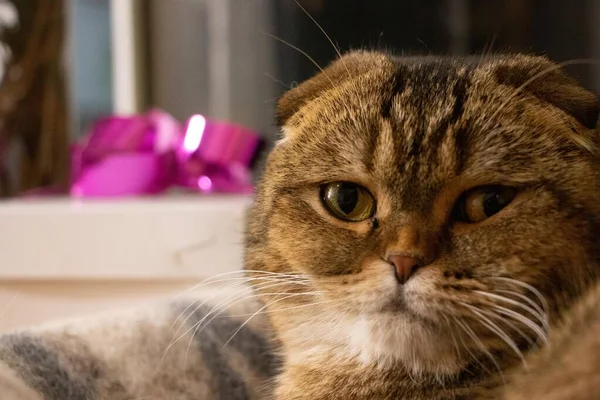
[153,153]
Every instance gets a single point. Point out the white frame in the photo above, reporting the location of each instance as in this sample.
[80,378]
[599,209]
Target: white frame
[125,57]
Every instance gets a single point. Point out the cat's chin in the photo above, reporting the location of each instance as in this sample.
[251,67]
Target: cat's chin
[388,339]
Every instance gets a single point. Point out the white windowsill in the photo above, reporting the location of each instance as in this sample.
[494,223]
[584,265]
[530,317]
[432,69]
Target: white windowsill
[151,239]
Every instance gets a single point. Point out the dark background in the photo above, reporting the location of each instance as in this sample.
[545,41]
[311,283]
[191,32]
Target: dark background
[562,30]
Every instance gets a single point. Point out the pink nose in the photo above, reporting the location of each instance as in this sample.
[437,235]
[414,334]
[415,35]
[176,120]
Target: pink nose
[404,266]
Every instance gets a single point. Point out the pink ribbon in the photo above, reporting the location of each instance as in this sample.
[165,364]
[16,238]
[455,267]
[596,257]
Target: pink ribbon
[148,154]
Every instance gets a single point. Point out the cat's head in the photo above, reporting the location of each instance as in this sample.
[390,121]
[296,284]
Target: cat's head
[427,211]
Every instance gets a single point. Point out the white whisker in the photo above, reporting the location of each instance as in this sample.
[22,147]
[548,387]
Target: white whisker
[206,300]
[229,300]
[217,310]
[512,326]
[201,325]
[245,280]
[286,308]
[527,286]
[473,356]
[524,298]
[217,278]
[305,54]
[219,307]
[276,300]
[335,47]
[481,346]
[453,337]
[497,330]
[543,320]
[524,320]
[237,282]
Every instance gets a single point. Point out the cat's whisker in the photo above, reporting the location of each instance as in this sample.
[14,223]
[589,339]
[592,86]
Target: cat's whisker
[239,328]
[455,343]
[182,325]
[227,302]
[270,303]
[453,336]
[175,341]
[205,300]
[541,317]
[481,346]
[496,330]
[281,274]
[335,47]
[527,286]
[237,282]
[199,326]
[217,279]
[532,303]
[305,54]
[512,326]
[487,49]
[524,320]
[279,81]
[216,310]
[287,308]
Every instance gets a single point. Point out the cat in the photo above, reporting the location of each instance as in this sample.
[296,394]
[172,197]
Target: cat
[434,217]
[184,349]
[423,229]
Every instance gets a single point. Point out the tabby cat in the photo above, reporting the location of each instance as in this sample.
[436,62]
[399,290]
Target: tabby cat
[434,216]
[419,232]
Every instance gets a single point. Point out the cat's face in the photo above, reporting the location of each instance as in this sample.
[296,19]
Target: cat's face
[434,210]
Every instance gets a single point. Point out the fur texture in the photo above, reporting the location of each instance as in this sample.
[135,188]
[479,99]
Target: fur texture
[418,133]
[568,369]
[143,353]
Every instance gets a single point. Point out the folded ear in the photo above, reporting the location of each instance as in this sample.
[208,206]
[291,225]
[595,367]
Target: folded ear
[347,67]
[548,82]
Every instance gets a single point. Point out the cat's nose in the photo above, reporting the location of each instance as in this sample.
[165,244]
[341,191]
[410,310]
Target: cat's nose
[404,266]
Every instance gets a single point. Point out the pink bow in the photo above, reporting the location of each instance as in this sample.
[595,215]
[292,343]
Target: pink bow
[148,154]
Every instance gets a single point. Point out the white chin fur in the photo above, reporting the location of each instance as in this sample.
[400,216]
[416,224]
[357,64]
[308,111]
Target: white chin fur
[383,340]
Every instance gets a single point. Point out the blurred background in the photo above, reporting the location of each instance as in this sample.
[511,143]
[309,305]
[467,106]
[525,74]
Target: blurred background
[70,62]
[71,68]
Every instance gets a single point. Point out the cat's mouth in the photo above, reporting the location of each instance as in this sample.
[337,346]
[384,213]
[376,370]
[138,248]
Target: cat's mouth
[398,306]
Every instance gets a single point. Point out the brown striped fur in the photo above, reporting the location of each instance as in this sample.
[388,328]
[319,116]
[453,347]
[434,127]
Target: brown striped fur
[417,132]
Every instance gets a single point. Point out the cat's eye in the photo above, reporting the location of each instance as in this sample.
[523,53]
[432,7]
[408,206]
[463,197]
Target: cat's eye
[348,201]
[481,203]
